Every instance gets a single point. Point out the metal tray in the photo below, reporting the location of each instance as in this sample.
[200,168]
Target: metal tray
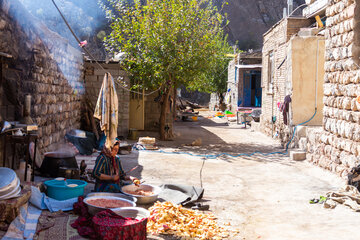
[8,180]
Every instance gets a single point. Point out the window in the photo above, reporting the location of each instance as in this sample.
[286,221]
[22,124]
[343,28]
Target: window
[271,72]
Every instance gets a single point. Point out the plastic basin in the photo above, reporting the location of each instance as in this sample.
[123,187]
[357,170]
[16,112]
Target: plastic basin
[60,191]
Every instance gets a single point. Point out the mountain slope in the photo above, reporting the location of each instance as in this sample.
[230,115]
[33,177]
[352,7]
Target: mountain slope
[250,19]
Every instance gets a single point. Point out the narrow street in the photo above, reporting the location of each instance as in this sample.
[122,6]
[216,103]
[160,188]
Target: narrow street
[264,197]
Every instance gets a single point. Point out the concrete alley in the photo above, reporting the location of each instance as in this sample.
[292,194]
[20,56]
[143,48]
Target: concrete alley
[263,197]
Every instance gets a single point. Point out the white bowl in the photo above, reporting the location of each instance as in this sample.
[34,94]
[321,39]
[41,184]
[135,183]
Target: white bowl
[95,209]
[146,187]
[132,212]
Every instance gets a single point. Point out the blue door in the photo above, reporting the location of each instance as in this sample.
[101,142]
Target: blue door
[247,90]
[252,89]
[258,89]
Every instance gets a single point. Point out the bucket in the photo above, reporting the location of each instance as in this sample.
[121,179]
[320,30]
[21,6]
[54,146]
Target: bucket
[133,134]
[58,190]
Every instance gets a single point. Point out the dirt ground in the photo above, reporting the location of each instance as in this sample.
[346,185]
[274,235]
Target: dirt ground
[264,197]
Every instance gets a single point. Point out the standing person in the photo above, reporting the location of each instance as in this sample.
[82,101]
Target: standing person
[108,171]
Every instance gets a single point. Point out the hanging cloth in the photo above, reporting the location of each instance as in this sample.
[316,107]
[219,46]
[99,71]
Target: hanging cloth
[285,108]
[107,109]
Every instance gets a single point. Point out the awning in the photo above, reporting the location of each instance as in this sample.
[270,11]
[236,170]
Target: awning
[243,66]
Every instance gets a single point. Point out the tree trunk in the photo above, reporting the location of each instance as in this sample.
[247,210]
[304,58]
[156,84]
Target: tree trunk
[163,113]
[221,98]
[222,105]
[174,103]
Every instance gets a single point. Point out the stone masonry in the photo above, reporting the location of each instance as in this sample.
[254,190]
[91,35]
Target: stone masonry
[338,148]
[44,65]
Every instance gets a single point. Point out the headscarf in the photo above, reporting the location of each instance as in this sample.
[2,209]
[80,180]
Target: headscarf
[107,152]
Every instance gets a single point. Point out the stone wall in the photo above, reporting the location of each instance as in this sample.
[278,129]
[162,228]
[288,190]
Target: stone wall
[232,84]
[44,65]
[94,77]
[276,43]
[214,102]
[339,147]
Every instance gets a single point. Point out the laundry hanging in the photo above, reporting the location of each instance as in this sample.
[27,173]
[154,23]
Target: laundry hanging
[107,109]
[285,108]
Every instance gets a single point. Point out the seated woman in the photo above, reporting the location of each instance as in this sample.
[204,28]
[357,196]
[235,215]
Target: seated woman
[108,171]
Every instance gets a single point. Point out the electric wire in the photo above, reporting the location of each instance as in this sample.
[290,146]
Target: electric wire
[92,58]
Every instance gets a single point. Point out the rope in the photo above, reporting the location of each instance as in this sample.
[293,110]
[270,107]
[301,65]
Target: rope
[145,94]
[92,58]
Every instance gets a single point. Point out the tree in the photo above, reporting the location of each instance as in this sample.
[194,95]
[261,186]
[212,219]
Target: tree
[215,80]
[167,43]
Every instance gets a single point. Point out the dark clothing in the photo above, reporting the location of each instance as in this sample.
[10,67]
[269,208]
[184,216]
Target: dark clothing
[108,166]
[285,108]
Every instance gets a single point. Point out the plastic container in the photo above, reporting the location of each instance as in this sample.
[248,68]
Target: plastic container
[60,191]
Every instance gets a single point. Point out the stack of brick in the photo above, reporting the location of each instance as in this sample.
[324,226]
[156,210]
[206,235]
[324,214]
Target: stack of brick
[339,147]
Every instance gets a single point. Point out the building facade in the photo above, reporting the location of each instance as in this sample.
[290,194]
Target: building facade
[244,81]
[337,146]
[292,78]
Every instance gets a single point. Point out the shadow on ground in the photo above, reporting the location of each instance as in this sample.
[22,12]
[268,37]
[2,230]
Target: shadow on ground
[215,147]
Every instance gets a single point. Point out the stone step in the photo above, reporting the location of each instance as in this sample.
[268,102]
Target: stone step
[297,155]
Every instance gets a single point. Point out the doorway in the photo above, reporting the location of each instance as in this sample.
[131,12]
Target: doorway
[252,89]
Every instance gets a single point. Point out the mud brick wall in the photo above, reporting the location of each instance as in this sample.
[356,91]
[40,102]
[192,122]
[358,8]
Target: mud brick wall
[44,65]
[339,147]
[94,77]
[276,42]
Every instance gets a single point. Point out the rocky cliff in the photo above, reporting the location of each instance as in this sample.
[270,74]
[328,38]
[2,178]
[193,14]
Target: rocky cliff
[250,19]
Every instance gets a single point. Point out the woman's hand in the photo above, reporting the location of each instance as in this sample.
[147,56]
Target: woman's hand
[135,180]
[115,178]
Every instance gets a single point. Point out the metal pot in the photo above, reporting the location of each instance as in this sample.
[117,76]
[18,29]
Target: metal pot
[142,199]
[54,164]
[95,209]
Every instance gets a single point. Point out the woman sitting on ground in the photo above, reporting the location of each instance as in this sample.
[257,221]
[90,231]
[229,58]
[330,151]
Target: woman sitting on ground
[109,172]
